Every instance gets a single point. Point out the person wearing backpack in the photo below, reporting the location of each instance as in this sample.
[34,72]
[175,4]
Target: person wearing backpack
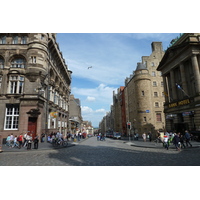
[187,138]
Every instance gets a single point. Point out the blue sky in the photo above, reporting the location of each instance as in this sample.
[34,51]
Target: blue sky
[113,57]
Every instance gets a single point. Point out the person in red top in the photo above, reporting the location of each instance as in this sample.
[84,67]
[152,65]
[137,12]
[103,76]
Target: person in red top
[19,139]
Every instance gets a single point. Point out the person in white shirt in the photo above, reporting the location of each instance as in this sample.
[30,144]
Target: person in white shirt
[165,141]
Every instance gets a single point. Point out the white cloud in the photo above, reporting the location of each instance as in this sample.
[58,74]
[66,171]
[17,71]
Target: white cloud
[101,93]
[90,98]
[86,110]
[100,110]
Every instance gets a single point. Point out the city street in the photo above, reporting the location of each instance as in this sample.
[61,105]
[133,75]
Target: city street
[91,152]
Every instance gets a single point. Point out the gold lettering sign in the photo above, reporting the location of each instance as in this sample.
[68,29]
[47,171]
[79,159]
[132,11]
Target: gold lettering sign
[179,103]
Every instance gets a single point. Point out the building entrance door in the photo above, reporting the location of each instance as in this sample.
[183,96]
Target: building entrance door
[32,126]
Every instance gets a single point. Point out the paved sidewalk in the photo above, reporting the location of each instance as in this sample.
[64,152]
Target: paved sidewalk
[147,144]
[41,146]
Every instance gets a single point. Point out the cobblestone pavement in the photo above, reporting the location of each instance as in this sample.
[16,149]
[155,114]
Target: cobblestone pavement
[111,152]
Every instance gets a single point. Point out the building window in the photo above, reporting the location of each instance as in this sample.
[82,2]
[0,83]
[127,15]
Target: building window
[156,104]
[154,84]
[3,40]
[1,63]
[158,117]
[33,59]
[152,64]
[145,119]
[153,73]
[12,117]
[15,40]
[16,84]
[155,94]
[42,37]
[142,93]
[24,40]
[18,63]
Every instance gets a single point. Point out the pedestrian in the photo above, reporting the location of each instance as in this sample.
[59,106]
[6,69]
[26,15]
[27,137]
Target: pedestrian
[165,141]
[19,139]
[78,136]
[42,137]
[15,143]
[144,137]
[150,136]
[25,142]
[137,136]
[177,141]
[36,140]
[11,139]
[8,141]
[187,138]
[29,141]
[182,141]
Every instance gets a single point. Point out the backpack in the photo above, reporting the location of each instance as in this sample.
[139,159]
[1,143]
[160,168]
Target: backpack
[18,138]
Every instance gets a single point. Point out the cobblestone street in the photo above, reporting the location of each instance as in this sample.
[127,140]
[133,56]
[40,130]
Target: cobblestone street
[111,152]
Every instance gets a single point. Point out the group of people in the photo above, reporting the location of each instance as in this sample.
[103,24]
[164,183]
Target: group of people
[22,140]
[147,136]
[178,139]
[101,137]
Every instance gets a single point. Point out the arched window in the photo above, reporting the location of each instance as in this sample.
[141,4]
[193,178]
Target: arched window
[3,39]
[15,40]
[18,63]
[1,63]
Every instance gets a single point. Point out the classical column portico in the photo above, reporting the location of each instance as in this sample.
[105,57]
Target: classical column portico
[173,85]
[183,79]
[195,66]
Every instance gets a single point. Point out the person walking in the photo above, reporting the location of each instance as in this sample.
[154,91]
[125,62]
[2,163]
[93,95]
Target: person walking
[8,141]
[19,139]
[177,141]
[182,141]
[29,141]
[15,144]
[144,137]
[25,142]
[36,140]
[165,141]
[11,139]
[150,136]
[187,138]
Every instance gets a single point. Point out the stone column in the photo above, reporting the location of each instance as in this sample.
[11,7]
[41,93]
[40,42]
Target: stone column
[196,72]
[173,84]
[184,83]
[166,92]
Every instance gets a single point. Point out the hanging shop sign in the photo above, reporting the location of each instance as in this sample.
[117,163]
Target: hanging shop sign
[54,114]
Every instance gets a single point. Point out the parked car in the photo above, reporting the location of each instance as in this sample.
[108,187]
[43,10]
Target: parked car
[117,135]
[89,135]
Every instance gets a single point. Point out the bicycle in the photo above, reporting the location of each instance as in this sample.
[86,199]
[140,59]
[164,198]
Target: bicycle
[57,143]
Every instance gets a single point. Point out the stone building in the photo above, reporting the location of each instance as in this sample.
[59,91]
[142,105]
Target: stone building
[180,69]
[75,116]
[144,94]
[34,84]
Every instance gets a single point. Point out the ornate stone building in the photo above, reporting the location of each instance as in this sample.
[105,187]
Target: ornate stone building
[180,68]
[75,116]
[34,84]
[144,97]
